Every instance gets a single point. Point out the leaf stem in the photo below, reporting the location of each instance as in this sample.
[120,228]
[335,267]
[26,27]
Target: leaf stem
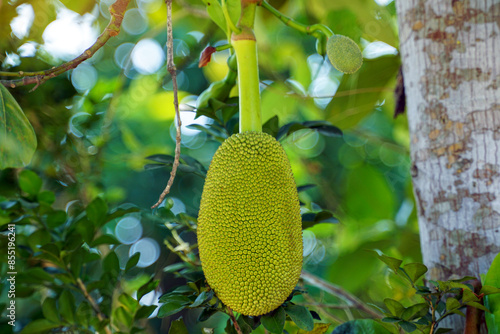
[230,22]
[314,29]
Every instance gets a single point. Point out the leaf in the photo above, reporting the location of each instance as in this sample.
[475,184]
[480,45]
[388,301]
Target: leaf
[178,327]
[169,309]
[300,316]
[452,303]
[415,270]
[443,330]
[144,311]
[206,56]
[319,328]
[29,182]
[202,298]
[394,307]
[206,314]
[469,296]
[489,290]
[132,262]
[391,262]
[17,137]
[105,239]
[311,219]
[271,126]
[415,311]
[47,197]
[97,210]
[407,326]
[214,10]
[39,326]
[49,310]
[174,267]
[111,264]
[122,317]
[360,327]
[146,288]
[234,9]
[478,306]
[67,306]
[274,321]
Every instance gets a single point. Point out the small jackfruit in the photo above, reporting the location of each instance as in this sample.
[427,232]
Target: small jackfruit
[249,224]
[344,53]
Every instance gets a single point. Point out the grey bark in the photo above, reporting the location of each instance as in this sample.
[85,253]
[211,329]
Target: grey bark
[451,62]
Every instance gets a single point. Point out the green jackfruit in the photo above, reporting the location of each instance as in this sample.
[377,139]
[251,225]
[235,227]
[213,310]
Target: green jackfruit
[344,53]
[249,224]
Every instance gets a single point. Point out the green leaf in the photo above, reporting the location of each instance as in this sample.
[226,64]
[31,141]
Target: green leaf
[300,316]
[105,239]
[407,326]
[144,311]
[17,137]
[39,326]
[29,182]
[178,327]
[97,211]
[146,288]
[49,310]
[391,262]
[214,10]
[67,306]
[469,296]
[415,311]
[274,322]
[319,328]
[47,197]
[489,290]
[360,327]
[56,218]
[479,306]
[206,314]
[394,307]
[443,330]
[122,317]
[111,263]
[452,303]
[170,309]
[132,262]
[202,297]
[174,267]
[415,270]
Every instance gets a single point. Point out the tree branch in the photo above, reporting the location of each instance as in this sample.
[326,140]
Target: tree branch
[337,291]
[117,10]
[173,74]
[235,323]
[92,302]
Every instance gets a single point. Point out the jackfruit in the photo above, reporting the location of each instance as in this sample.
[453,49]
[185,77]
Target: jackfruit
[249,224]
[344,53]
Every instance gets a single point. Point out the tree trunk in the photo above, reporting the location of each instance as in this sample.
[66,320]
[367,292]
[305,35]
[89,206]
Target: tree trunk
[451,64]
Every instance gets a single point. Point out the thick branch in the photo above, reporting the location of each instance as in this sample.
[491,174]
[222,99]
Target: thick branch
[116,10]
[337,291]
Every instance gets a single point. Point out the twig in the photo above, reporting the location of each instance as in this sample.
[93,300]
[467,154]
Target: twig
[235,323]
[92,302]
[117,10]
[337,291]
[173,74]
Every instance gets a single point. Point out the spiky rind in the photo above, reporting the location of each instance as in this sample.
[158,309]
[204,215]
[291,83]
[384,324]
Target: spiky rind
[249,225]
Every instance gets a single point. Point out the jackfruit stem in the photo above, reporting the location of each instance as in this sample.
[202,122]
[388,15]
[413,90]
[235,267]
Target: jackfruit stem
[245,47]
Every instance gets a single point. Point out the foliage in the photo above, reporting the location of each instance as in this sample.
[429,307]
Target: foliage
[66,271]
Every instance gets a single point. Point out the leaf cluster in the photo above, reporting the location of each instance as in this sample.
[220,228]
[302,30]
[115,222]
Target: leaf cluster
[66,266]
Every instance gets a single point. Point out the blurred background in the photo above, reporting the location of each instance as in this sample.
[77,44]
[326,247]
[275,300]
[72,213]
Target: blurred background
[96,125]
